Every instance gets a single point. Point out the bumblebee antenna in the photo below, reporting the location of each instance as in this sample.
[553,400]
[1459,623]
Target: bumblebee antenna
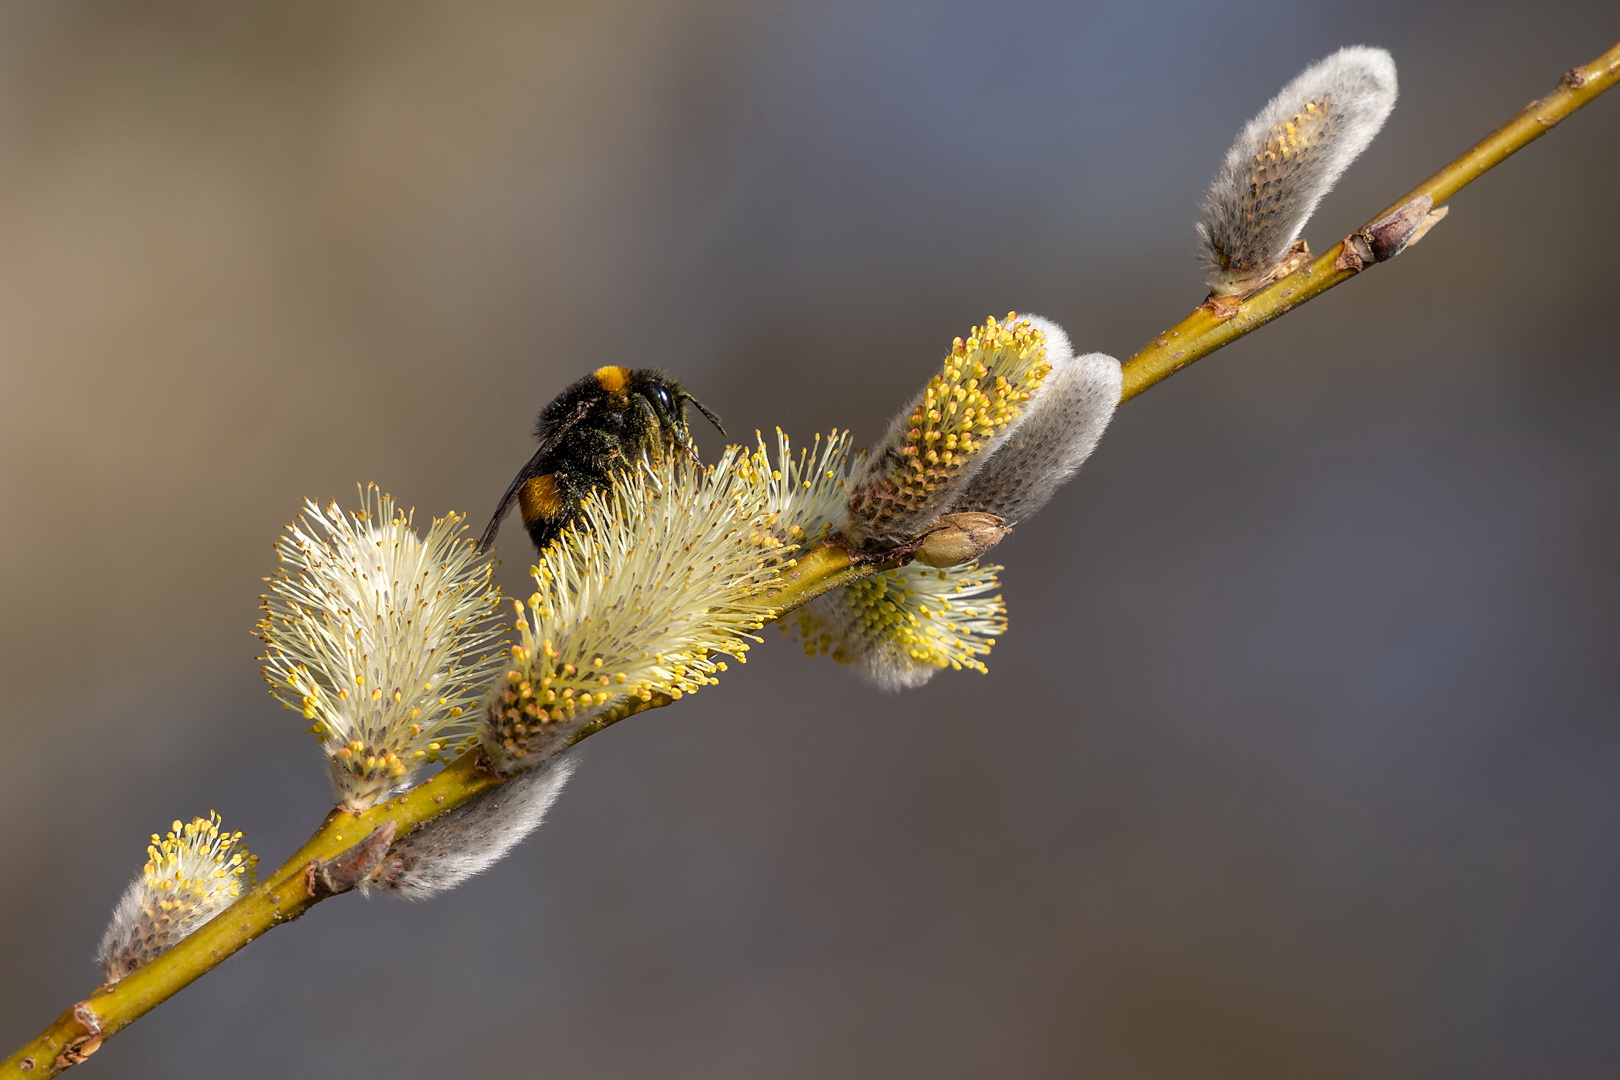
[713,419]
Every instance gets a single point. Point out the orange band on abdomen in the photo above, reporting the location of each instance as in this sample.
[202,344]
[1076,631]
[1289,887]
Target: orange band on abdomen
[539,499]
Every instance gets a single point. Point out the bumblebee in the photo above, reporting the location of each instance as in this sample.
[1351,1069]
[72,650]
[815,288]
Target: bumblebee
[589,434]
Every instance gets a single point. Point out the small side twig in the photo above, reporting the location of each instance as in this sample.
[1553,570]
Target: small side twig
[1206,329]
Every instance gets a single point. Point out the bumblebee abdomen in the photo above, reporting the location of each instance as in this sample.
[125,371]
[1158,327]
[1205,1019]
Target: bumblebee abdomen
[540,498]
[547,503]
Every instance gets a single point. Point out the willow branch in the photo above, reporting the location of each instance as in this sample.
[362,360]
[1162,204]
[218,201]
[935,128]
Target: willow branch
[294,887]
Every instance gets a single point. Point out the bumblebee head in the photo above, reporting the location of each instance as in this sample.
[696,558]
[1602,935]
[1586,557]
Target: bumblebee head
[665,400]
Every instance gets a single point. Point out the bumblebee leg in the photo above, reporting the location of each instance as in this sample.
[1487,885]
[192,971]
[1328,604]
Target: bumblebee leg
[683,439]
[654,428]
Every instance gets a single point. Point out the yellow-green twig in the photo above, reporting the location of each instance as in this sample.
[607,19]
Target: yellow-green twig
[285,894]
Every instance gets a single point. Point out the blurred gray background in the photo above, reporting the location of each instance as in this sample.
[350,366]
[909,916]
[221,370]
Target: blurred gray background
[1299,759]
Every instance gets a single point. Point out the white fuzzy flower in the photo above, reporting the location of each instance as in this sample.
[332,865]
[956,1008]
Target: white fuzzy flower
[661,575]
[805,492]
[191,875]
[900,627]
[382,637]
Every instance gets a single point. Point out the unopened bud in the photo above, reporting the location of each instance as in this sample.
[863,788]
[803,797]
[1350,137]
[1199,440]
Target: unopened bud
[349,869]
[1390,235]
[960,538]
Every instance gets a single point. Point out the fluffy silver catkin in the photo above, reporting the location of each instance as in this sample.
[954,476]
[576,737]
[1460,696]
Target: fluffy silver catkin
[1286,159]
[1059,429]
[942,437]
[901,626]
[191,875]
[470,839]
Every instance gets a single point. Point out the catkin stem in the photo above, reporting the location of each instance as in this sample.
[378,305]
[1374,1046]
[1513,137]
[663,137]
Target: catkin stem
[284,896]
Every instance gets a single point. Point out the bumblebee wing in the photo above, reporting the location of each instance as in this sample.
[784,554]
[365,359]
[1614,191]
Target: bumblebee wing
[505,505]
[548,442]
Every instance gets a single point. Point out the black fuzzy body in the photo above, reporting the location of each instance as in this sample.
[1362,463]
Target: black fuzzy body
[590,434]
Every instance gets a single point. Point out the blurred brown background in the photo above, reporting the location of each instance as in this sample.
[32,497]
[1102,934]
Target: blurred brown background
[1300,757]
